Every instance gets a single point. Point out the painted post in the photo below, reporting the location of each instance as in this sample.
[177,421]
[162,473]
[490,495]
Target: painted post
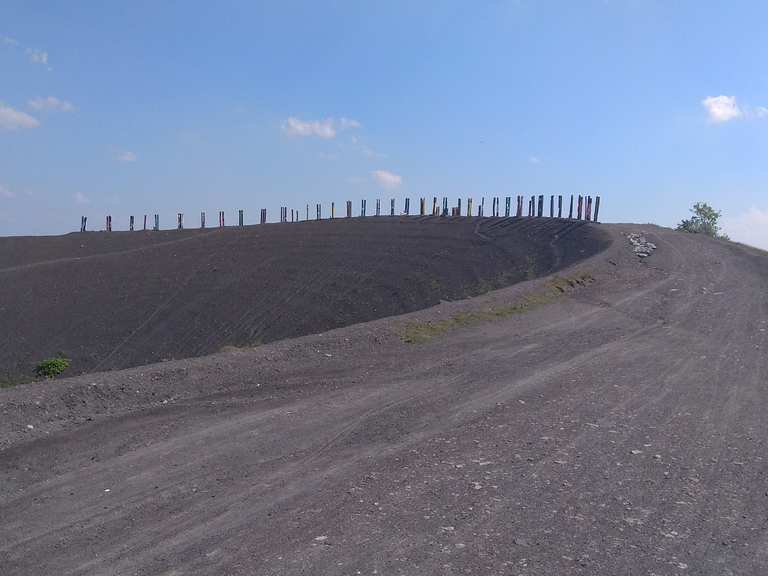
[578,212]
[597,207]
[559,205]
[391,206]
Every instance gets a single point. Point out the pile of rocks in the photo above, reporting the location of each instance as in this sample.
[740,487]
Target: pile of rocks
[640,245]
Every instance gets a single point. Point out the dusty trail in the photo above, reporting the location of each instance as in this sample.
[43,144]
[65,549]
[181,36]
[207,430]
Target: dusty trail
[618,430]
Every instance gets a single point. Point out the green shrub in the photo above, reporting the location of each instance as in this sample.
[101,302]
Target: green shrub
[52,367]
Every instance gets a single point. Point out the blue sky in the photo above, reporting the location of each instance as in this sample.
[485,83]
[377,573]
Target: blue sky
[143,107]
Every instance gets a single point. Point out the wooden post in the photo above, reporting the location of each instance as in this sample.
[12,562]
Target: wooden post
[541,205]
[588,212]
[202,219]
[391,206]
[578,212]
[156,225]
[570,211]
[362,207]
[145,222]
[559,205]
[179,221]
[597,207]
[552,206]
[469,206]
[378,207]
[240,218]
[407,206]
[422,206]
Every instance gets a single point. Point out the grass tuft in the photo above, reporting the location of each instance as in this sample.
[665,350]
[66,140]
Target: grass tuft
[420,332]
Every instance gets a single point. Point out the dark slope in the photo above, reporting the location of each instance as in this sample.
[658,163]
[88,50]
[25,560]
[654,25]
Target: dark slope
[125,299]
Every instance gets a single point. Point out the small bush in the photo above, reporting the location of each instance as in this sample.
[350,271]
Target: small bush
[52,367]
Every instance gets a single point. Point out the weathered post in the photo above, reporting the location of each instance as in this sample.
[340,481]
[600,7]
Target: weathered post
[422,206]
[391,206]
[130,223]
[469,206]
[578,211]
[145,222]
[507,206]
[407,206]
[552,206]
[541,205]
[179,221]
[156,225]
[482,206]
[570,211]
[202,219]
[349,208]
[317,208]
[378,207]
[458,207]
[559,205]
[240,218]
[362,207]
[445,206]
[597,207]
[588,211]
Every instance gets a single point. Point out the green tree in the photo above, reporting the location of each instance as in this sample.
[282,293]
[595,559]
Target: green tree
[705,220]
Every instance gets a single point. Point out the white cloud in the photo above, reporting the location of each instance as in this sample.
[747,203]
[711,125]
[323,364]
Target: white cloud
[37,56]
[127,156]
[751,227]
[51,103]
[534,160]
[11,119]
[81,198]
[8,41]
[387,179]
[326,129]
[722,108]
[6,193]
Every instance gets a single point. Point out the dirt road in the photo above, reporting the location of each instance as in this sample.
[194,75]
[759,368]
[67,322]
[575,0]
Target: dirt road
[619,428]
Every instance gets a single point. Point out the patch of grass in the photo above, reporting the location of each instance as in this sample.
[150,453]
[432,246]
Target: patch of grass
[52,367]
[420,332]
[11,381]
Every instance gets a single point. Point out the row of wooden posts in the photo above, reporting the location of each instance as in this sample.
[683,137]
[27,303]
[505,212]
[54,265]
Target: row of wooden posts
[584,210]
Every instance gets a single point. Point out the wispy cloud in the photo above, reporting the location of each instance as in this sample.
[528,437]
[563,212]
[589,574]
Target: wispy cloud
[12,119]
[386,178]
[722,109]
[37,56]
[81,199]
[8,41]
[326,129]
[6,193]
[51,103]
[126,156]
[750,227]
[534,160]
